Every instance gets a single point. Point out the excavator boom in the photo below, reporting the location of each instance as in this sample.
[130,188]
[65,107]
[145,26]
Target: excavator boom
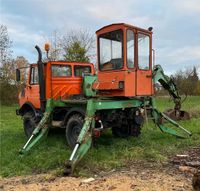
[169,85]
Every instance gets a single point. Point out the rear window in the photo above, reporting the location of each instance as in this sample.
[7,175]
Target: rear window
[81,70]
[61,71]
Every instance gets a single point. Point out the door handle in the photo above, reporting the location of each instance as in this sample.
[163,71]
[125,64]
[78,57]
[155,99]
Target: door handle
[149,76]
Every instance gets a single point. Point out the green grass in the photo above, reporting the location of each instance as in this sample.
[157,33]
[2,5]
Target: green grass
[50,154]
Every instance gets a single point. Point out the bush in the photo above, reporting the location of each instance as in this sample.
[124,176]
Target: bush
[8,93]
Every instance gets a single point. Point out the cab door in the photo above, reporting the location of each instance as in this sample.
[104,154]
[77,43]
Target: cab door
[32,89]
[144,65]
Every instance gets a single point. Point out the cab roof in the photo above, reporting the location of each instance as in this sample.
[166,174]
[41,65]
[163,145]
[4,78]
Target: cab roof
[118,26]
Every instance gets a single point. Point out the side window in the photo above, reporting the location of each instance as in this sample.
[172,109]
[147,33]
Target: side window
[130,48]
[34,75]
[81,70]
[143,51]
[61,71]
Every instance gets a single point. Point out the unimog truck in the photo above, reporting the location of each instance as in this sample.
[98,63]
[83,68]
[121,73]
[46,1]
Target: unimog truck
[74,96]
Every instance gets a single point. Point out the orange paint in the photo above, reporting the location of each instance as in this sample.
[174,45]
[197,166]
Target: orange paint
[137,82]
[56,87]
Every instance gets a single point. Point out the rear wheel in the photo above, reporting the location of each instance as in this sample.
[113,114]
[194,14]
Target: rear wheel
[124,131]
[73,129]
[29,123]
[121,131]
[135,130]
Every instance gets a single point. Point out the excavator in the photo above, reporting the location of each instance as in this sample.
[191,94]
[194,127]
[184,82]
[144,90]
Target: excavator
[86,103]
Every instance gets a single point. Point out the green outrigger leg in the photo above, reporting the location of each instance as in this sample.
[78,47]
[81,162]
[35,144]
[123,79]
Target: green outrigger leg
[158,119]
[41,130]
[84,140]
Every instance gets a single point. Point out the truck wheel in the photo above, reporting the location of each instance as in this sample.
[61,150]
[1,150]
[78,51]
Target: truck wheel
[121,131]
[29,123]
[135,130]
[73,129]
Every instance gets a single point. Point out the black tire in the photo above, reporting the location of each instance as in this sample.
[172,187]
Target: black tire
[125,131]
[29,123]
[73,129]
[135,130]
[121,131]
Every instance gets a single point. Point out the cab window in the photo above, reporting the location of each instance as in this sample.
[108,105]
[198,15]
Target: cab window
[81,70]
[110,50]
[34,75]
[143,51]
[61,71]
[130,48]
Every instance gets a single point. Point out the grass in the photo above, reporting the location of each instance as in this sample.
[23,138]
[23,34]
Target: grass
[50,154]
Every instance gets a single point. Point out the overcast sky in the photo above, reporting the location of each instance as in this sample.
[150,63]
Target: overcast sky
[176,24]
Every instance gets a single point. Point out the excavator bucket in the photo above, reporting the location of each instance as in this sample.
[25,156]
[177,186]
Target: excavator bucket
[177,115]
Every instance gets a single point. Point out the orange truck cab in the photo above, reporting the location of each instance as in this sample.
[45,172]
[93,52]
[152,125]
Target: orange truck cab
[124,61]
[61,80]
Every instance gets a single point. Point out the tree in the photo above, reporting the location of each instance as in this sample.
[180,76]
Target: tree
[9,87]
[74,45]
[6,62]
[5,45]
[21,62]
[197,89]
[75,52]
[187,81]
[78,46]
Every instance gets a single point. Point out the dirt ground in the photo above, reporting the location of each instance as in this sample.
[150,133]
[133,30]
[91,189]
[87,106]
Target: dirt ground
[147,178]
[176,175]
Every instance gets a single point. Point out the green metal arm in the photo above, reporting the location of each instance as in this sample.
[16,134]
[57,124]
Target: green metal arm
[84,140]
[41,129]
[158,119]
[167,83]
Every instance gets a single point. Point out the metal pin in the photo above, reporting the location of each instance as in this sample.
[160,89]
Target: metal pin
[28,142]
[74,151]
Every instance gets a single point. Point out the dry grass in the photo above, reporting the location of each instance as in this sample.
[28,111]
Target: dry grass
[195,111]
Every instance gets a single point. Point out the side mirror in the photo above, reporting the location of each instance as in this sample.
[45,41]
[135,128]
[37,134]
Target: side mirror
[18,75]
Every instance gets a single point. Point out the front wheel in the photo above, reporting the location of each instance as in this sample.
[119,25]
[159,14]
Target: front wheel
[29,123]
[73,129]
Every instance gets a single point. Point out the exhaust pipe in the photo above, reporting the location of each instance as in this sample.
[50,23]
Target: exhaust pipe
[41,79]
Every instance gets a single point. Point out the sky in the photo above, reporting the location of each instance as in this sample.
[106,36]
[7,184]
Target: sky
[176,26]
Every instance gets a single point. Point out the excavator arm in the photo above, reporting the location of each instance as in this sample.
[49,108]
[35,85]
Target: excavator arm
[169,85]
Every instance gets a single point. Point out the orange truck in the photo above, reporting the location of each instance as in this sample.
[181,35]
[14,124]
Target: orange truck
[62,80]
[71,95]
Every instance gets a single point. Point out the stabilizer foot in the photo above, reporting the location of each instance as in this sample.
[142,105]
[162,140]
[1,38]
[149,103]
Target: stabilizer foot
[68,169]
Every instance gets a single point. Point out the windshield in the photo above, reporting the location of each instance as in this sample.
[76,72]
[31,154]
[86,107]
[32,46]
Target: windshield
[110,50]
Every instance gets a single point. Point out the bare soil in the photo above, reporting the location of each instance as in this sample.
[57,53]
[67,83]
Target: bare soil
[147,179]
[138,177]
